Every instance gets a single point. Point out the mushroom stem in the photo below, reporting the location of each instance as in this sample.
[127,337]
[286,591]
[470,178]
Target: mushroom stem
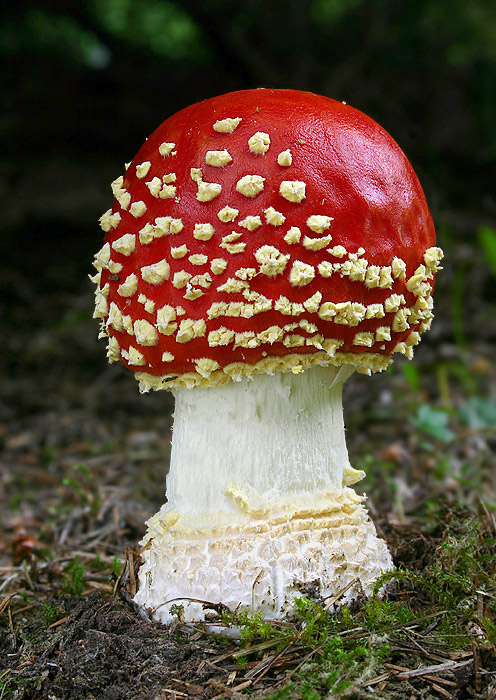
[274,438]
[258,500]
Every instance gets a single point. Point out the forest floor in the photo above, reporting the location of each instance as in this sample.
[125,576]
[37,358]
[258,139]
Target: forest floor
[83,463]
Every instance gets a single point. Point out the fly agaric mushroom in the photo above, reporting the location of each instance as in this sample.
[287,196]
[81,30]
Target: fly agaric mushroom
[261,247]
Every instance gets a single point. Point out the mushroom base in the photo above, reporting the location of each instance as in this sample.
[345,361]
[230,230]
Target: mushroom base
[263,562]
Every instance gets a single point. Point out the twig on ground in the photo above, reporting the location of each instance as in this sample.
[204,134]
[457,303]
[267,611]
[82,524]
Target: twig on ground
[429,670]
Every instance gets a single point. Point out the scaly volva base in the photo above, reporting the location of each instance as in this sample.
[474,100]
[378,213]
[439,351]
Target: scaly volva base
[263,563]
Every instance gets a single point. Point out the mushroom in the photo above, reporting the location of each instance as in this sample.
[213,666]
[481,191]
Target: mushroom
[262,246]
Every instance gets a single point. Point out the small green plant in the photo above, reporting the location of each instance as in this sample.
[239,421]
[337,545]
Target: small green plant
[412,376]
[49,614]
[73,580]
[15,501]
[254,627]
[478,412]
[241,661]
[177,611]
[340,663]
[47,455]
[487,239]
[381,613]
[98,564]
[116,567]
[84,485]
[5,691]
[489,627]
[433,422]
[282,694]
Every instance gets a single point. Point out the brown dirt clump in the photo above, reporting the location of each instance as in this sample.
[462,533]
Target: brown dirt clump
[101,650]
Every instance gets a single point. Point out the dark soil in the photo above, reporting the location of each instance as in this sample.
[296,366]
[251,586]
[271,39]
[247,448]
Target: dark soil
[104,650]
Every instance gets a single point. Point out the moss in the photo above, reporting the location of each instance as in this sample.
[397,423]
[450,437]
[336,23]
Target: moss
[341,651]
[72,582]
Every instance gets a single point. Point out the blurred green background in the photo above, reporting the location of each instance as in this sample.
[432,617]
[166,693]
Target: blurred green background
[84,83]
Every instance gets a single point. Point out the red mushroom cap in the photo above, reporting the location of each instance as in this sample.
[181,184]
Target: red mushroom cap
[264,230]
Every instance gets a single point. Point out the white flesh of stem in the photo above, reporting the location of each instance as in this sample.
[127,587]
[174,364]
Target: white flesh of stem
[276,437]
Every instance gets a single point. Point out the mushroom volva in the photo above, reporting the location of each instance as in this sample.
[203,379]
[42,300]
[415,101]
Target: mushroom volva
[262,246]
